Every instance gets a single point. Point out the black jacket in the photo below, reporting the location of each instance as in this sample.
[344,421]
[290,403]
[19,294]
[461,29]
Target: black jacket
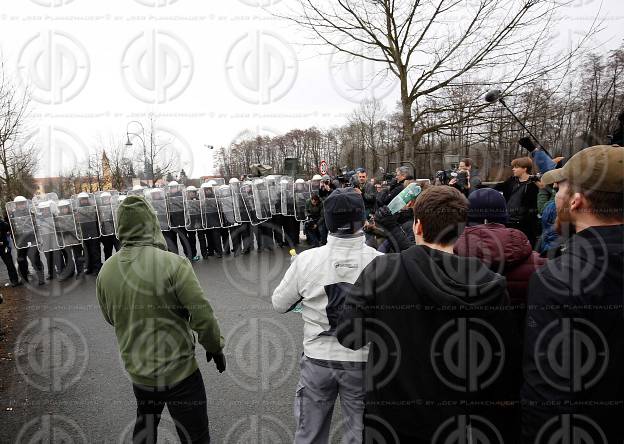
[429,316]
[385,197]
[523,216]
[369,195]
[574,340]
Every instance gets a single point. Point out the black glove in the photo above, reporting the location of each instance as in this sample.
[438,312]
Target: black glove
[386,219]
[219,360]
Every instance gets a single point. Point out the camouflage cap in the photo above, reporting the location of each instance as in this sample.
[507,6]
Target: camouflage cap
[598,168]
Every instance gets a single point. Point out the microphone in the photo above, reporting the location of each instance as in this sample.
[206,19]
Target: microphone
[493,95]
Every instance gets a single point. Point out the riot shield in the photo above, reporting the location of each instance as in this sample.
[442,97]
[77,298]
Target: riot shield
[106,203]
[120,199]
[247,195]
[211,216]
[275,194]
[137,192]
[240,211]
[218,181]
[21,221]
[85,213]
[286,188]
[261,199]
[225,202]
[65,224]
[301,196]
[47,237]
[315,187]
[174,195]
[156,197]
[192,209]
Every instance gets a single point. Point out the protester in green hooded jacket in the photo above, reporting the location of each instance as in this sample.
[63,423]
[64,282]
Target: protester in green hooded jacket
[154,301]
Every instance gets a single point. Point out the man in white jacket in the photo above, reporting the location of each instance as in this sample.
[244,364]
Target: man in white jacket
[316,279]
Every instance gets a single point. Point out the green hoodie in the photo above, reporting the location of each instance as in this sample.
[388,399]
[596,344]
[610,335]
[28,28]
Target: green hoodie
[154,300]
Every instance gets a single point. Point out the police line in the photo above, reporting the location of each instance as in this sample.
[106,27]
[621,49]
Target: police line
[50,223]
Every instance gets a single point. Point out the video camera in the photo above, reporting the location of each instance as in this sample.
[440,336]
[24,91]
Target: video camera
[346,177]
[445,176]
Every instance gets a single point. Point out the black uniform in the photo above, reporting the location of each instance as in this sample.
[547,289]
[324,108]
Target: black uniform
[5,252]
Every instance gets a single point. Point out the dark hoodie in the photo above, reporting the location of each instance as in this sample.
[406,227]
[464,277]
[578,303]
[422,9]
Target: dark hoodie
[506,251]
[442,349]
[154,301]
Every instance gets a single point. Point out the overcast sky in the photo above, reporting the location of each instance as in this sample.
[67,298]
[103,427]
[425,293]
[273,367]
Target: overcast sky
[210,71]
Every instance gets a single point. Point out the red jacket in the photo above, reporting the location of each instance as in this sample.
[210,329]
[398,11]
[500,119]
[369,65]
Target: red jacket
[506,251]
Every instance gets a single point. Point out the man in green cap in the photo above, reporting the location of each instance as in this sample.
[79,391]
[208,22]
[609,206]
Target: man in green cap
[574,336]
[154,301]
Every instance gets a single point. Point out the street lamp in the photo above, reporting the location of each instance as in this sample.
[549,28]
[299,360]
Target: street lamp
[142,138]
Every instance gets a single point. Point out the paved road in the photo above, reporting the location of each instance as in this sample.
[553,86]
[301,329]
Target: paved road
[65,378]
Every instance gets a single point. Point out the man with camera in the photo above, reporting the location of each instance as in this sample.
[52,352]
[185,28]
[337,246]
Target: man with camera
[367,190]
[465,180]
[397,184]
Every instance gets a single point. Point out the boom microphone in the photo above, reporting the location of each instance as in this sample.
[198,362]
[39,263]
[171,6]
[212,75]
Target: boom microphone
[493,95]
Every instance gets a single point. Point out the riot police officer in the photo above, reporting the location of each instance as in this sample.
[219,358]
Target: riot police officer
[25,240]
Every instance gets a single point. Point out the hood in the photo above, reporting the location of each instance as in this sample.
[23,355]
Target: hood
[138,225]
[494,244]
[451,280]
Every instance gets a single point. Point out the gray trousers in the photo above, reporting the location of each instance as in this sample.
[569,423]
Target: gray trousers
[316,394]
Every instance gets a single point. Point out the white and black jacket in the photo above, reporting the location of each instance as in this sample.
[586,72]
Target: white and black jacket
[315,279]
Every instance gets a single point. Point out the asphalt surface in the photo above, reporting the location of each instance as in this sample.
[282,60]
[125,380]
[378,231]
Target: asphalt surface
[62,380]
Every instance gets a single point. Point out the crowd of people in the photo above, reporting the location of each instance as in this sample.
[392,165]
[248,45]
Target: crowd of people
[476,313]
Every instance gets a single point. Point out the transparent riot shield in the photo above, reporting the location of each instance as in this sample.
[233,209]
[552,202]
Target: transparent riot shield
[47,237]
[218,181]
[315,187]
[174,195]
[85,213]
[225,201]
[247,196]
[301,195]
[286,188]
[192,209]
[262,201]
[120,199]
[211,216]
[106,203]
[65,224]
[137,192]
[275,194]
[240,211]
[156,197]
[21,221]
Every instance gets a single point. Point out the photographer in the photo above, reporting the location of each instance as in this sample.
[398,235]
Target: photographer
[367,190]
[520,192]
[466,181]
[397,184]
[314,227]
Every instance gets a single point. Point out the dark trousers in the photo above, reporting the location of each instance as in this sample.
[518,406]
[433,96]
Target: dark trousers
[8,261]
[108,242]
[171,237]
[277,225]
[186,402]
[291,231]
[32,254]
[55,263]
[313,233]
[210,242]
[241,237]
[93,255]
[74,260]
[225,239]
[264,235]
[192,240]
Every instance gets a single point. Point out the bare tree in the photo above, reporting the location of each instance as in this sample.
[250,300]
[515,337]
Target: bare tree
[429,45]
[18,161]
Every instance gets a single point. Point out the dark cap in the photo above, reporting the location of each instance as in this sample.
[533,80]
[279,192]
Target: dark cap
[487,205]
[598,168]
[344,211]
